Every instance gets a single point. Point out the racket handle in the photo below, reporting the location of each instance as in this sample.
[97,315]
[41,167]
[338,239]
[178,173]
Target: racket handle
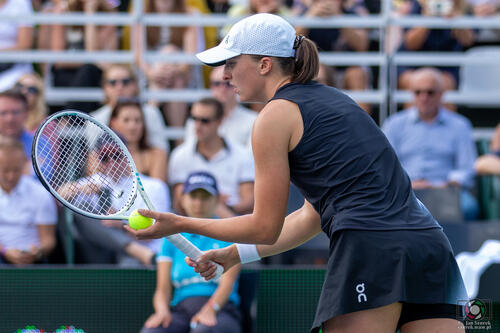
[191,251]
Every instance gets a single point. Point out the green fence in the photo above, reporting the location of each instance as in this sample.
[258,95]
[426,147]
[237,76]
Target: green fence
[98,300]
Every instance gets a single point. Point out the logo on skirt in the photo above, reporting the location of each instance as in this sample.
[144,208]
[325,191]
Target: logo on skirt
[360,289]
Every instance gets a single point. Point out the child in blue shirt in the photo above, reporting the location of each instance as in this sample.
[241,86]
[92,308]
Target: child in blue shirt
[183,301]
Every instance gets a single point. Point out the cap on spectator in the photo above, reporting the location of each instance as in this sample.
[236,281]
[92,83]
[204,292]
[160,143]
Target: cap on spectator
[259,34]
[201,180]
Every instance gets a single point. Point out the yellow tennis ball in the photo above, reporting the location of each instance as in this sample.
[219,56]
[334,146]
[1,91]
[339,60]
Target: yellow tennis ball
[137,221]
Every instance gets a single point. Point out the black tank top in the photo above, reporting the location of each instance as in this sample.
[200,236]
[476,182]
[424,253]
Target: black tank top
[346,168]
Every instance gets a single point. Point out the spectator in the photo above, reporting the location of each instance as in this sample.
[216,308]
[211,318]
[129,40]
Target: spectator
[119,81]
[14,36]
[164,76]
[237,121]
[345,39]
[190,39]
[90,37]
[326,75]
[486,8]
[434,145]
[231,164]
[489,164]
[127,120]
[31,86]
[183,301]
[239,9]
[436,40]
[108,234]
[28,212]
[13,117]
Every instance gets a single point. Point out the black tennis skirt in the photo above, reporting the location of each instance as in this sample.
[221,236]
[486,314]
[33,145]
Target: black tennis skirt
[370,269]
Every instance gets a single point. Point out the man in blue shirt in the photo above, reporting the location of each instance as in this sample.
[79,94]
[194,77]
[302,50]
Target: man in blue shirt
[434,145]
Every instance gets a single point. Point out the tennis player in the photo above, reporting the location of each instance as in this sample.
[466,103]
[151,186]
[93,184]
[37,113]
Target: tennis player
[390,265]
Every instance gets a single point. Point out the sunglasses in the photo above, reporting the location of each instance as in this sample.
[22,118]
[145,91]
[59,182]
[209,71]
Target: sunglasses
[29,89]
[224,84]
[203,120]
[124,82]
[428,92]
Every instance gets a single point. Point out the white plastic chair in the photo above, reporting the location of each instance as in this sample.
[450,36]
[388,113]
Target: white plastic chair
[481,78]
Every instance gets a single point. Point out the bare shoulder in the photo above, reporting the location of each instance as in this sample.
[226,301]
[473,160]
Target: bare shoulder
[281,119]
[280,113]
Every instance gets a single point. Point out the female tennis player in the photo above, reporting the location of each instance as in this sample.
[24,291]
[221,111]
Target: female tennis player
[390,265]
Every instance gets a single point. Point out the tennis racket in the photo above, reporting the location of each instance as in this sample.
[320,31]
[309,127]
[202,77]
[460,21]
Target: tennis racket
[88,168]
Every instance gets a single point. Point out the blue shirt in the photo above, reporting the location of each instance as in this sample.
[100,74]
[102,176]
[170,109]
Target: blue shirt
[187,283]
[346,168]
[439,152]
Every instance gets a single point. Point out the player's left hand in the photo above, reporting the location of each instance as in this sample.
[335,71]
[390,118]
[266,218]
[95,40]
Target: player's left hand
[166,224]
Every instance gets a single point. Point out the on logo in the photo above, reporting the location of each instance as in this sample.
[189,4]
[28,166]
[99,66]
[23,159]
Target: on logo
[360,289]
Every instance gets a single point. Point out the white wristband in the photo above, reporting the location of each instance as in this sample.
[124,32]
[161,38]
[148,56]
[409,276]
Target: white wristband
[247,252]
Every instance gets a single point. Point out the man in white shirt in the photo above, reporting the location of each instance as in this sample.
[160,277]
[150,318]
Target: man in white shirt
[237,122]
[28,212]
[230,163]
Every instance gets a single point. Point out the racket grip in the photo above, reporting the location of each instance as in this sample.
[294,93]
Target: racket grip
[191,251]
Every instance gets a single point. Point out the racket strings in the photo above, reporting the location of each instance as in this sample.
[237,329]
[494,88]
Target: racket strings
[85,165]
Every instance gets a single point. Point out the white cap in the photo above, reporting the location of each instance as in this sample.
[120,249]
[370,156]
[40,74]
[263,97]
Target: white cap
[259,34]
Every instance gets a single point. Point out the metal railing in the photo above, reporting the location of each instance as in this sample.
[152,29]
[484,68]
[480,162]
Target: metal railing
[387,95]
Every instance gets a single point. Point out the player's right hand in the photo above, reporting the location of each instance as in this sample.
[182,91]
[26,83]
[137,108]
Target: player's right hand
[227,257]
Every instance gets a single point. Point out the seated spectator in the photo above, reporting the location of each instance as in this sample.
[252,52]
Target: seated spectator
[239,9]
[13,117]
[486,8]
[29,214]
[118,82]
[31,86]
[434,145]
[109,234]
[89,37]
[344,39]
[164,76]
[230,163]
[14,36]
[489,164]
[326,75]
[435,40]
[237,121]
[127,120]
[189,39]
[183,301]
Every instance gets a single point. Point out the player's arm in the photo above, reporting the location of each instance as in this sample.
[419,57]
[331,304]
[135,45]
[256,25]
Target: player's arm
[299,227]
[272,134]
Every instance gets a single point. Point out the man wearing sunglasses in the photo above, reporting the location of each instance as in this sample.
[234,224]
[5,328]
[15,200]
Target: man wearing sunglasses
[237,121]
[435,145]
[230,163]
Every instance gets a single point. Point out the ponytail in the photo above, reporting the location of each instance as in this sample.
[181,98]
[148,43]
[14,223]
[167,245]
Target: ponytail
[306,62]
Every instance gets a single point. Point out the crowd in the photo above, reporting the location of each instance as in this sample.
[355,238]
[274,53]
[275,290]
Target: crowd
[434,142]
[209,173]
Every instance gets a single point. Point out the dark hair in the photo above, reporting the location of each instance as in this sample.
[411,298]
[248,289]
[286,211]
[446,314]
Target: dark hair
[134,102]
[218,107]
[17,95]
[304,67]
